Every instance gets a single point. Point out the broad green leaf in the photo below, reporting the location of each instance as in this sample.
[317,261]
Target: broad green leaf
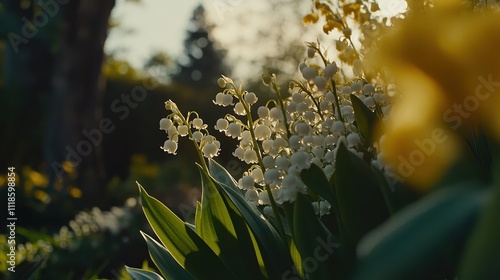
[359,198]
[314,178]
[272,247]
[312,240]
[365,118]
[216,228]
[164,261]
[186,247]
[297,260]
[482,254]
[141,274]
[418,236]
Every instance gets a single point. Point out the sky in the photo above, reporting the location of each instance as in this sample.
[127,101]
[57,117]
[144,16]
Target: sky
[160,25]
[152,25]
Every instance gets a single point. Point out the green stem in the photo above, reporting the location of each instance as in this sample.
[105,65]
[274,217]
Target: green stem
[283,109]
[256,148]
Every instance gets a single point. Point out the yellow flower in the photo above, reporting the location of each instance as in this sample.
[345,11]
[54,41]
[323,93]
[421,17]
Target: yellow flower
[446,63]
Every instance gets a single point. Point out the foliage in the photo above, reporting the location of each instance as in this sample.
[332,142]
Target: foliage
[326,194]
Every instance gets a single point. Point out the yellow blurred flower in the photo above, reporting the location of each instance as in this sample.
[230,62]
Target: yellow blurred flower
[446,63]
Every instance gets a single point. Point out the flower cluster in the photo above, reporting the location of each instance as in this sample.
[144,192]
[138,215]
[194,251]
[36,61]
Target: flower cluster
[290,133]
[191,125]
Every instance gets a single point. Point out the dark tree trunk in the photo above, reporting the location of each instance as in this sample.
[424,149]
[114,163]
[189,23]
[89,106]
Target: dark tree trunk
[76,101]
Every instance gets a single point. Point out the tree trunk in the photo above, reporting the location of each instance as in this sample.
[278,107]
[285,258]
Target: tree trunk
[75,109]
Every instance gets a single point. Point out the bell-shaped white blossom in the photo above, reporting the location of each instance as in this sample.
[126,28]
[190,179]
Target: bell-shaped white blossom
[250,98]
[262,132]
[222,125]
[165,124]
[170,147]
[239,109]
[233,130]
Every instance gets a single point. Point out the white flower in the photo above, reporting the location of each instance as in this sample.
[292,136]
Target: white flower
[198,123]
[356,86]
[263,112]
[279,143]
[172,131]
[239,109]
[353,139]
[324,105]
[294,142]
[369,102]
[311,52]
[233,130]
[291,107]
[308,73]
[346,110]
[252,196]
[197,136]
[337,128]
[309,116]
[330,156]
[211,149]
[268,211]
[239,153]
[282,163]
[302,108]
[267,145]
[251,98]
[276,114]
[165,124]
[330,70]
[368,89]
[227,100]
[221,82]
[183,130]
[222,125]
[219,99]
[170,147]
[264,198]
[272,176]
[346,90]
[357,68]
[330,97]
[246,182]
[262,132]
[250,156]
[300,159]
[257,175]
[297,97]
[302,65]
[268,162]
[302,129]
[320,83]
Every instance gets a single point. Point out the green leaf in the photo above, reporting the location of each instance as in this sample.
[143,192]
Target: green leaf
[186,247]
[311,240]
[216,228]
[272,247]
[365,118]
[359,198]
[141,274]
[164,261]
[314,178]
[417,237]
[482,253]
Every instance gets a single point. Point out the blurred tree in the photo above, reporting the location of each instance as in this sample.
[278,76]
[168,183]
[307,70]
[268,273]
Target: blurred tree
[160,65]
[203,61]
[54,56]
[75,126]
